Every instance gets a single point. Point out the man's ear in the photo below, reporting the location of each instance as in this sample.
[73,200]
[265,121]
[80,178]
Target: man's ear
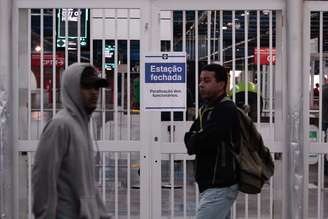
[222,85]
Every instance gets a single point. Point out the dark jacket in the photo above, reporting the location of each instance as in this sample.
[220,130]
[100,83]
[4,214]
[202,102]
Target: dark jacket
[213,137]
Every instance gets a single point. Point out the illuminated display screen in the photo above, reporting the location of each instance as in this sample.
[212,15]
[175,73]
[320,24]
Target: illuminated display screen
[72,15]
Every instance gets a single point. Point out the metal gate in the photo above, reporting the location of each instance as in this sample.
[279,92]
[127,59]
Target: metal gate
[144,171]
[110,36]
[315,103]
[248,41]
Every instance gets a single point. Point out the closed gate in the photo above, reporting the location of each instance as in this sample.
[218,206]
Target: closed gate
[315,104]
[109,36]
[144,171]
[246,40]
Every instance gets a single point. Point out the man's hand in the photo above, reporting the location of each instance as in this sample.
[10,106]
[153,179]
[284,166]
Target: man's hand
[190,140]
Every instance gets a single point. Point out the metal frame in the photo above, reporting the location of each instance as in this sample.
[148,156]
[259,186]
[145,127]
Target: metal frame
[115,145]
[318,147]
[150,145]
[171,148]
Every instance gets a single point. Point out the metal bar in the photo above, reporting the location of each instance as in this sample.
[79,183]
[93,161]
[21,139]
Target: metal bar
[172,183]
[184,50]
[129,186]
[322,187]
[306,64]
[103,183]
[66,38]
[246,55]
[264,93]
[221,37]
[184,187]
[78,35]
[233,57]
[171,127]
[234,210]
[271,197]
[238,59]
[116,81]
[116,184]
[259,206]
[29,51]
[172,33]
[91,36]
[172,50]
[41,70]
[9,158]
[320,73]
[129,80]
[224,4]
[29,170]
[122,91]
[246,206]
[196,64]
[258,67]
[319,186]
[167,5]
[214,41]
[270,69]
[208,37]
[103,99]
[54,82]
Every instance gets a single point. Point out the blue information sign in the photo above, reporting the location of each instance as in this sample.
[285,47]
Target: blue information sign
[164,87]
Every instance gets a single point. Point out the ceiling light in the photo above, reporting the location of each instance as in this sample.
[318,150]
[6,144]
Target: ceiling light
[266,12]
[243,14]
[38,48]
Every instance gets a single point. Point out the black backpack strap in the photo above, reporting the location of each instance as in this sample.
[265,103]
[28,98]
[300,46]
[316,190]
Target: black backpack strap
[234,153]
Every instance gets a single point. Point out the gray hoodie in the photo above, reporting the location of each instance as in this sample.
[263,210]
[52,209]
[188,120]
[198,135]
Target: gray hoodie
[63,175]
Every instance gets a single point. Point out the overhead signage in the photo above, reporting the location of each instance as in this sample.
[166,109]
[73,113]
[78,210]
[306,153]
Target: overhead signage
[72,15]
[265,56]
[48,59]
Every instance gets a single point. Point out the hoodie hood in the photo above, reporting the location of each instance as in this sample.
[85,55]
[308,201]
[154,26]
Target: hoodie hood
[70,90]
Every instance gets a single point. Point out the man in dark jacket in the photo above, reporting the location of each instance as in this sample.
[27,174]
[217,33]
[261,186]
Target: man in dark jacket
[214,139]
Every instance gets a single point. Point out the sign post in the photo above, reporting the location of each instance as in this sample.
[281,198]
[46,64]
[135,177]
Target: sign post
[165,82]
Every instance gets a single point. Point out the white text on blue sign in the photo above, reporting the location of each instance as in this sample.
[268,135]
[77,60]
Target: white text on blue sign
[165,72]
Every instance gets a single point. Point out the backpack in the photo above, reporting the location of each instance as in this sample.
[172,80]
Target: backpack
[256,165]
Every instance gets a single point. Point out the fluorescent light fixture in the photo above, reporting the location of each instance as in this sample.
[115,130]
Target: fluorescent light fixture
[38,48]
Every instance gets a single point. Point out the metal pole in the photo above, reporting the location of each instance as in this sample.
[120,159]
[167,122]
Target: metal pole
[295,127]
[6,158]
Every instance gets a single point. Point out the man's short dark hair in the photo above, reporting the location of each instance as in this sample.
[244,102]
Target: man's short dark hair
[221,73]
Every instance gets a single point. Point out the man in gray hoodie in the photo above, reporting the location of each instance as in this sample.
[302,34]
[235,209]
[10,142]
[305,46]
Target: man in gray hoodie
[63,174]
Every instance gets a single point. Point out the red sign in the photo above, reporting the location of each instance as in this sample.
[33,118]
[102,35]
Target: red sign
[47,59]
[265,56]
